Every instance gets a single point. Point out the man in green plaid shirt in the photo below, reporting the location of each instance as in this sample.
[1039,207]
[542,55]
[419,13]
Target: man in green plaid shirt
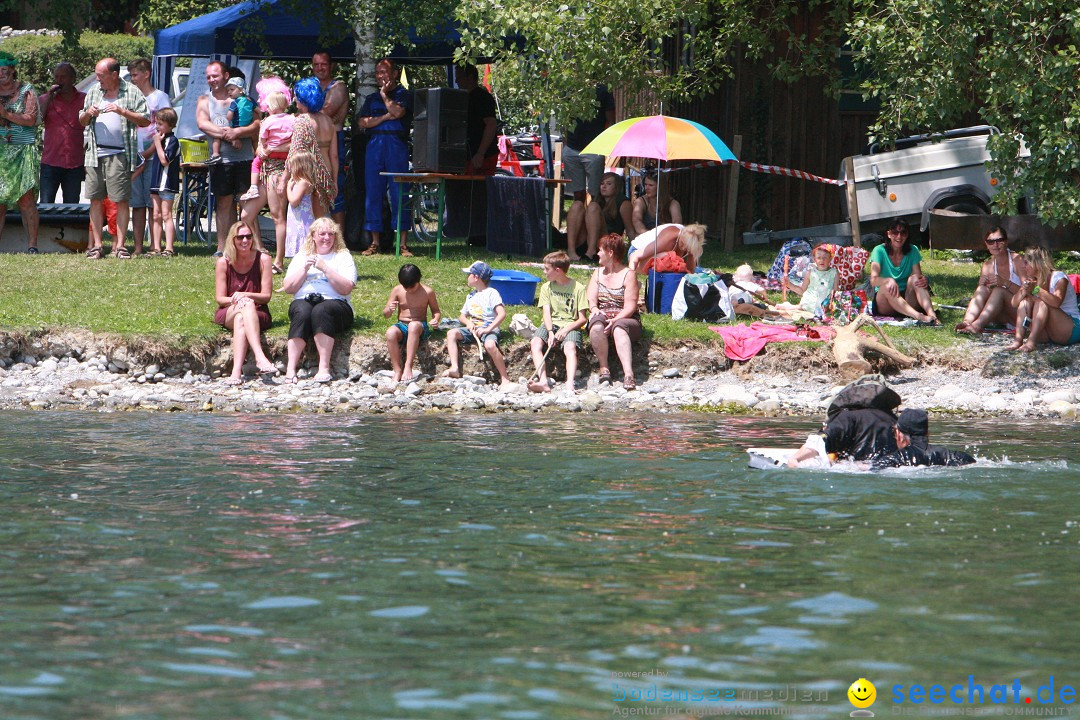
[112,112]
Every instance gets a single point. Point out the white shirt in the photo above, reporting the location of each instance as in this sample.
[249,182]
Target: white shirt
[1068,305]
[316,281]
[155,101]
[109,130]
[480,306]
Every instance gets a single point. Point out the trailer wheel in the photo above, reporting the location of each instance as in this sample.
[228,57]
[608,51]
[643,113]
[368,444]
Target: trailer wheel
[964,204]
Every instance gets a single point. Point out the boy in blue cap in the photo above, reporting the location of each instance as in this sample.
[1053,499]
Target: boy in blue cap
[481,315]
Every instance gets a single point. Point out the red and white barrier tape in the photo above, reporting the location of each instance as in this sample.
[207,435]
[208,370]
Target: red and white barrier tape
[770,169]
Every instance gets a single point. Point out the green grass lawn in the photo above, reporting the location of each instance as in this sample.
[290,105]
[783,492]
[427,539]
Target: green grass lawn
[172,299]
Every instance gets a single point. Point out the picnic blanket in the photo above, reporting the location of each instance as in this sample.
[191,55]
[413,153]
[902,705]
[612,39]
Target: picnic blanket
[742,342]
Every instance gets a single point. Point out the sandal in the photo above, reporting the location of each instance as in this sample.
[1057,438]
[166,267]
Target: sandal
[288,380]
[167,253]
[405,252]
[231,381]
[628,383]
[93,253]
[604,379]
[373,249]
[121,254]
[277,269]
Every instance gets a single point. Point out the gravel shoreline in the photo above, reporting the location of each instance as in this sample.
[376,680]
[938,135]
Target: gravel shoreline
[80,371]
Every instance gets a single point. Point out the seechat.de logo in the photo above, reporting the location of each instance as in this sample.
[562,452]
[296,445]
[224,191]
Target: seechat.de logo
[862,695]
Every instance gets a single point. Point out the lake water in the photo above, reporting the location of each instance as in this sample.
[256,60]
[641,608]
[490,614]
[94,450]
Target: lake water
[516,566]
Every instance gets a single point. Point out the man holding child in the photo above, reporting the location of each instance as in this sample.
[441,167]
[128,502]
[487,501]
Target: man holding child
[231,176]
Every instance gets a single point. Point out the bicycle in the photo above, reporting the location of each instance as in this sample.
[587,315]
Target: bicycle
[193,211]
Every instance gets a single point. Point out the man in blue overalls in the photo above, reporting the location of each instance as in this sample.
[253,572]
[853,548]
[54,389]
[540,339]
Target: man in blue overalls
[386,116]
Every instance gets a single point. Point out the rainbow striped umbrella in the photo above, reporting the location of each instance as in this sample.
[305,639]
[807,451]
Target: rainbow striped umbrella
[662,138]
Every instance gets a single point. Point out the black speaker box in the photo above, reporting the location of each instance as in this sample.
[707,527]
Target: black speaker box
[439,120]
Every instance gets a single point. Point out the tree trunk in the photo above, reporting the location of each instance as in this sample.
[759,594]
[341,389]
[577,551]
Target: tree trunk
[849,348]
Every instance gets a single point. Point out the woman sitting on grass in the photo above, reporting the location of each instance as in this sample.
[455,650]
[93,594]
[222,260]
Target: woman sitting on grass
[322,277]
[242,288]
[609,213]
[1047,299]
[997,283]
[896,272]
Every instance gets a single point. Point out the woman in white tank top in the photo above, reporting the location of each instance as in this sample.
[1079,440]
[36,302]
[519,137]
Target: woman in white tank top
[1045,305]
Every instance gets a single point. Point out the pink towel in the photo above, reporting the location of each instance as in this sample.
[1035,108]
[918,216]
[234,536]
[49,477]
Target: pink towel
[742,342]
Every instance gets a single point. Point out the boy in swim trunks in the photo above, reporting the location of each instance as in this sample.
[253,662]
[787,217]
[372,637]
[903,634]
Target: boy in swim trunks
[564,303]
[410,300]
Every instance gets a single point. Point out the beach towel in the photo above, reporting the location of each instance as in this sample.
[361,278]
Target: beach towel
[742,342]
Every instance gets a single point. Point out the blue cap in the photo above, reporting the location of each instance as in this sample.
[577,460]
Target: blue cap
[480,269]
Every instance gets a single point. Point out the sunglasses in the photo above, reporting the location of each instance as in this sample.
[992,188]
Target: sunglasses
[995,240]
[248,235]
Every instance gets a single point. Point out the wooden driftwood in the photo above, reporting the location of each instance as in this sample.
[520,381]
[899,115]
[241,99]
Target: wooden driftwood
[849,348]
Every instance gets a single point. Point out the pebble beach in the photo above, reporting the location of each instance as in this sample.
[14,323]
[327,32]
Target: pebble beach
[84,372]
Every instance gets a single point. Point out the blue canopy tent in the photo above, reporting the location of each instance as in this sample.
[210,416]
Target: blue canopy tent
[257,29]
[275,31]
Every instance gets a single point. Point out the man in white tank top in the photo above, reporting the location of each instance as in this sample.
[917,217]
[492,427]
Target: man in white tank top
[233,175]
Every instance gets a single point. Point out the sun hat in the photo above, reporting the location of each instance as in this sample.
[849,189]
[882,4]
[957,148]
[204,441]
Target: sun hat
[480,269]
[235,82]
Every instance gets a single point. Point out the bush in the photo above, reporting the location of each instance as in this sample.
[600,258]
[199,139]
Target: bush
[39,54]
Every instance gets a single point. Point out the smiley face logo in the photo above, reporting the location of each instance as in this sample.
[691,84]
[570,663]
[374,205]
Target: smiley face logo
[862,693]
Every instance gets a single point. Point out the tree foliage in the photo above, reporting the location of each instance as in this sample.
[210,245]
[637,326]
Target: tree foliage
[39,54]
[161,14]
[654,50]
[936,64]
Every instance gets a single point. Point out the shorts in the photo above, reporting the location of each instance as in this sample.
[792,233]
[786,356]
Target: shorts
[230,178]
[140,189]
[1075,337]
[583,171]
[467,336]
[111,177]
[573,336]
[164,195]
[632,325]
[325,317]
[404,328]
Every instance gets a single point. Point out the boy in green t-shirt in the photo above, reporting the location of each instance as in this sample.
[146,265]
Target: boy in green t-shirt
[563,301]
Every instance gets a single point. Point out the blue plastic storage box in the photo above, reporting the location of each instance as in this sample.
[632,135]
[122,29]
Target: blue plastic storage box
[662,287]
[515,287]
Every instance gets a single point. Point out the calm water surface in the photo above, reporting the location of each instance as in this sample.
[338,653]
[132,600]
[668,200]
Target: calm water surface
[513,566]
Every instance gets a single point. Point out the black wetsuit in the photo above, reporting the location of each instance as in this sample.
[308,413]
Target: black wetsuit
[929,455]
[861,434]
